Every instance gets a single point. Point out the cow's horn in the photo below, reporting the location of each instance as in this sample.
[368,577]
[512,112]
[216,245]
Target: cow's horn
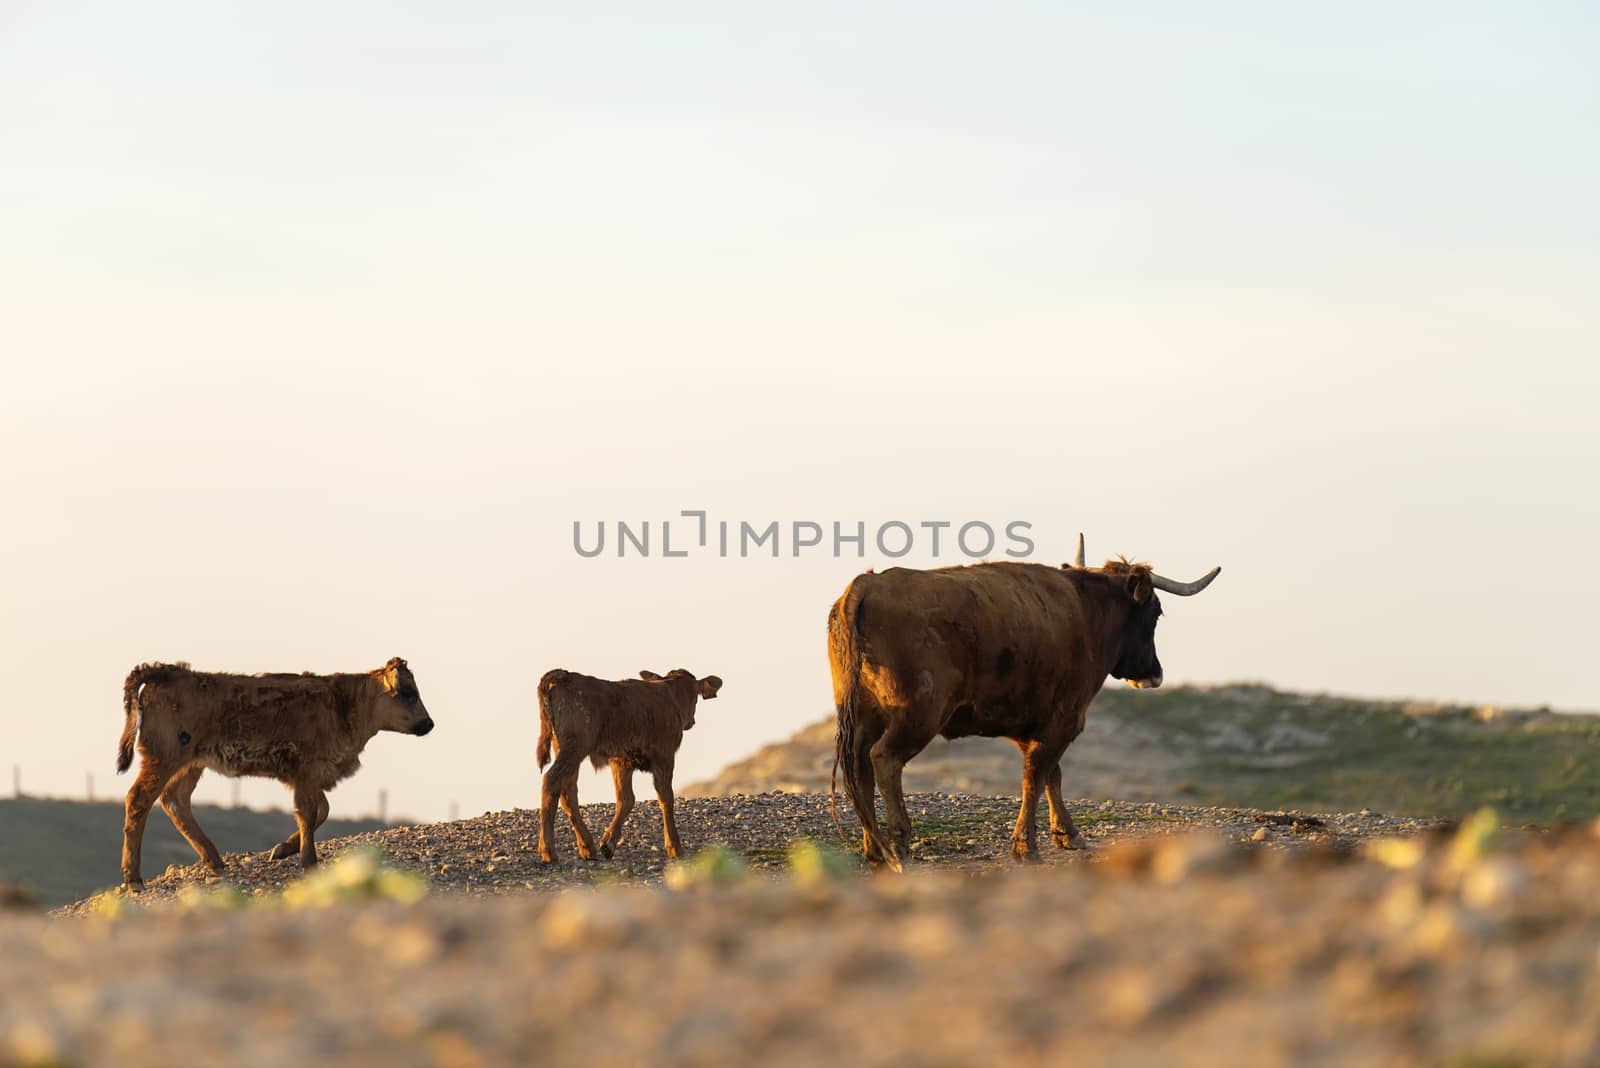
[1184,589]
[1079,562]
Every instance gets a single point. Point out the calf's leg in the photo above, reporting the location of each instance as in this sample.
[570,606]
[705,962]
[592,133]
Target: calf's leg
[669,823]
[556,780]
[307,800]
[291,845]
[1062,829]
[622,775]
[176,800]
[569,804]
[142,796]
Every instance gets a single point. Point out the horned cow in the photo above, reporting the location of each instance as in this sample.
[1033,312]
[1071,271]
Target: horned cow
[632,724]
[307,731]
[1001,650]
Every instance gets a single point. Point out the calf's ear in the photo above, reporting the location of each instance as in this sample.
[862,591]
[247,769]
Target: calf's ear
[648,675]
[390,675]
[709,686]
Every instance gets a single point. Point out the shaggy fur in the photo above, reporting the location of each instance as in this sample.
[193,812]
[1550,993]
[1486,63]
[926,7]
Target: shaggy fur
[1002,650]
[307,731]
[633,725]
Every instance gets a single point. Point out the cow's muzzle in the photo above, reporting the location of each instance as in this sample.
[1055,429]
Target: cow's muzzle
[1153,683]
[422,728]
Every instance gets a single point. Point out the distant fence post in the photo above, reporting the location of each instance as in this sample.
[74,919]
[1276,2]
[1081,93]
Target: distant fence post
[383,806]
[455,812]
[88,785]
[16,780]
[235,793]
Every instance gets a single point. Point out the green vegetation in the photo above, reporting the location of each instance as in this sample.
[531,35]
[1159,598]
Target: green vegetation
[66,850]
[714,865]
[1531,768]
[360,875]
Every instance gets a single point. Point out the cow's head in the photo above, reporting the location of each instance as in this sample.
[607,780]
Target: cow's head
[401,708]
[1137,662]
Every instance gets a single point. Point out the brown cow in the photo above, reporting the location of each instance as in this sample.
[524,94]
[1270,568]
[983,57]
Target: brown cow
[1001,650]
[307,731]
[634,725]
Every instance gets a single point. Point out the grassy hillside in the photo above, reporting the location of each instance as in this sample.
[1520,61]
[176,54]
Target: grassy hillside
[63,850]
[1252,746]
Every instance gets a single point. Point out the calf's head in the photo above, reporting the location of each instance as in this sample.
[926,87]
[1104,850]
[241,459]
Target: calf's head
[401,708]
[703,689]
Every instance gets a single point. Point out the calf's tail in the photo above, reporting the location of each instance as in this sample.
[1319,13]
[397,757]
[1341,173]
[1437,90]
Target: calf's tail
[546,729]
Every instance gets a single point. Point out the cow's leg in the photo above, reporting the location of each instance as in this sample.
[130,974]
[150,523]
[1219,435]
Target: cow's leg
[291,845]
[1062,829]
[889,756]
[142,797]
[622,775]
[308,800]
[1037,760]
[569,804]
[866,806]
[662,774]
[176,800]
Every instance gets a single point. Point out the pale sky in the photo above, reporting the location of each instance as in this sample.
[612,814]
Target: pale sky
[321,324]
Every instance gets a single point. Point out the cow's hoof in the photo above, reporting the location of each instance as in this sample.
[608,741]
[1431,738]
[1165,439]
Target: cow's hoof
[309,862]
[1071,841]
[281,852]
[547,858]
[1023,855]
[605,850]
[219,868]
[134,886]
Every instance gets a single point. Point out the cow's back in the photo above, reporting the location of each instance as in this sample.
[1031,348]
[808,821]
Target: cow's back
[1009,635]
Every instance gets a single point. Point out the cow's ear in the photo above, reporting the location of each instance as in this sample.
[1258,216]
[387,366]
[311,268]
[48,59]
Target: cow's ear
[709,686]
[389,677]
[648,675]
[1140,588]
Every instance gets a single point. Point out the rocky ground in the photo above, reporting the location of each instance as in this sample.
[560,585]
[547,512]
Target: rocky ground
[497,852]
[1184,937]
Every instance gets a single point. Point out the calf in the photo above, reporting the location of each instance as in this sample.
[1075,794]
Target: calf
[634,725]
[307,731]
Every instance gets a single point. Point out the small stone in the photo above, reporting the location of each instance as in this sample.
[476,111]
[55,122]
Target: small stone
[1260,835]
[578,919]
[1492,883]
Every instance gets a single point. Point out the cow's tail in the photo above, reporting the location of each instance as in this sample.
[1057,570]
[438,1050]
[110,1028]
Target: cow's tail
[844,650]
[130,710]
[546,728]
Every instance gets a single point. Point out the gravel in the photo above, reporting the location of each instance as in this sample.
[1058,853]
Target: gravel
[498,851]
